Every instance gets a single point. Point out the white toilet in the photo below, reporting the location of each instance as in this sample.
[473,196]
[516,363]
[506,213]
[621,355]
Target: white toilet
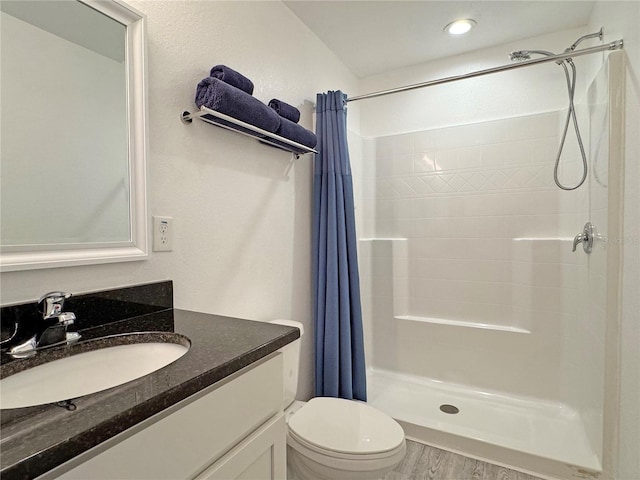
[333,438]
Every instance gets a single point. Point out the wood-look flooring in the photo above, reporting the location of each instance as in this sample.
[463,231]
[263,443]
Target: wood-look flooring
[424,462]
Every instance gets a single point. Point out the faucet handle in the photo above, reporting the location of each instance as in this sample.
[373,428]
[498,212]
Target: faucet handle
[586,237]
[579,238]
[52,303]
[66,318]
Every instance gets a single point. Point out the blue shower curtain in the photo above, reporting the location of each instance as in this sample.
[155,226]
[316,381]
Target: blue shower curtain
[339,344]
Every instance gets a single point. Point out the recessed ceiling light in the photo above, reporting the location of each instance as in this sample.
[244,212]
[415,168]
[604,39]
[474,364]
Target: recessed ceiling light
[460,27]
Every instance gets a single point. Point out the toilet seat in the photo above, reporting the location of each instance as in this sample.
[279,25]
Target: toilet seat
[328,457]
[345,429]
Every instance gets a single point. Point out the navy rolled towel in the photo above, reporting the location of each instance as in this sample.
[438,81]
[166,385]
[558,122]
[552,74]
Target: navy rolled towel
[297,133]
[224,98]
[230,76]
[285,110]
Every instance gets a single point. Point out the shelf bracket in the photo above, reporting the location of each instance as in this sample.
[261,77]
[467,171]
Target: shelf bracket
[185,117]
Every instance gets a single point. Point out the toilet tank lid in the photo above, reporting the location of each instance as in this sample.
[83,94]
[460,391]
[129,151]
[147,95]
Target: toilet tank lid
[289,323]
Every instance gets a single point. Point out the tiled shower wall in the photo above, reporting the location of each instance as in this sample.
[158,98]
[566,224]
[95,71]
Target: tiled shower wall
[482,216]
[488,246]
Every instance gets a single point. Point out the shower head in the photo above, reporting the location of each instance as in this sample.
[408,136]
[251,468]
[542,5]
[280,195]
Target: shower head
[523,55]
[520,56]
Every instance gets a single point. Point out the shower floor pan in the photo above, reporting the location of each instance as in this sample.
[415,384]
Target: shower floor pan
[541,438]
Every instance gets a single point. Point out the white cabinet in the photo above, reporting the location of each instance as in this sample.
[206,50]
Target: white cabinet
[229,431]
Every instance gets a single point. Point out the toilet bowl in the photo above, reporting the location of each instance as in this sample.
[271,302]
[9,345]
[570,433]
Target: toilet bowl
[333,438]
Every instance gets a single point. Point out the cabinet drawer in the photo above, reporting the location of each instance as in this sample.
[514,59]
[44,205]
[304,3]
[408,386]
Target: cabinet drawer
[184,443]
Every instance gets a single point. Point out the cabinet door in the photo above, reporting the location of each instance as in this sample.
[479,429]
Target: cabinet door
[261,456]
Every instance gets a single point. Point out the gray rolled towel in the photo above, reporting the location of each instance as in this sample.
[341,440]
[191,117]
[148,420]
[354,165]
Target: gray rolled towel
[230,76]
[224,98]
[285,110]
[295,132]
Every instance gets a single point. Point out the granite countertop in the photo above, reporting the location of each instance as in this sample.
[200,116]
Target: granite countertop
[36,439]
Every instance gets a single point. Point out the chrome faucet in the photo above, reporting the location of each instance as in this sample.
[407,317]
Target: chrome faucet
[586,237]
[55,332]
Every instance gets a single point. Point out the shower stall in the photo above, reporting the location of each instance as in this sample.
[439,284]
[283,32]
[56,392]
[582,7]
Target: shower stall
[489,330]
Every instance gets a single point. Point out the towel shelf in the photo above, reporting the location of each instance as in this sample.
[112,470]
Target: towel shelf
[235,125]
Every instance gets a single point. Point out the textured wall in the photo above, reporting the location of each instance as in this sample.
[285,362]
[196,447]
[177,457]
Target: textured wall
[242,237]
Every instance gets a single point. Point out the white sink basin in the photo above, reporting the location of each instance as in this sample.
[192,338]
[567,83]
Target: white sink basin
[86,373]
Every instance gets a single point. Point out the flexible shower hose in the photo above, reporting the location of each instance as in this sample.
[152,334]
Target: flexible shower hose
[571,114]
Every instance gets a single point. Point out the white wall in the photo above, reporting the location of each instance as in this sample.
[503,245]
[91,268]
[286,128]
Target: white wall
[242,210]
[517,92]
[620,19]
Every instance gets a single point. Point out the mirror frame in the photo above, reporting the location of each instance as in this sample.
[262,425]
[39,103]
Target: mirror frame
[53,256]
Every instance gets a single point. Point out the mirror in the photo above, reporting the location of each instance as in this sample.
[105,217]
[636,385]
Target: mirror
[72,172]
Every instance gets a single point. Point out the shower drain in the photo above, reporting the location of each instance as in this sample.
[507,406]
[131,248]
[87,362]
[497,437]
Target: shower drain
[451,409]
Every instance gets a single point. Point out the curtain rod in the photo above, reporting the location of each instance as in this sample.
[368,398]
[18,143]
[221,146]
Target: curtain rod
[561,56]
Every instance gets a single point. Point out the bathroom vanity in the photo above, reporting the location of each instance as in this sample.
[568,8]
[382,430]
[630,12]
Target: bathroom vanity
[216,412]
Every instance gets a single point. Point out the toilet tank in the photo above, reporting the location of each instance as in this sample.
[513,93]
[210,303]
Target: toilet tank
[290,362]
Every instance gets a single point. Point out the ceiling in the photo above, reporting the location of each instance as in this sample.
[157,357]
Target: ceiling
[375,36]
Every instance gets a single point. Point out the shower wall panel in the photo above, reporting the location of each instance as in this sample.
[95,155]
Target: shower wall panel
[483,289]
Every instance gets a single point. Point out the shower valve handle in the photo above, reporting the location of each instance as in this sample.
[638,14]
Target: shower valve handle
[586,238]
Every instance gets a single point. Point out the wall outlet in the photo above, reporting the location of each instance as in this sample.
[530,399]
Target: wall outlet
[162,234]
